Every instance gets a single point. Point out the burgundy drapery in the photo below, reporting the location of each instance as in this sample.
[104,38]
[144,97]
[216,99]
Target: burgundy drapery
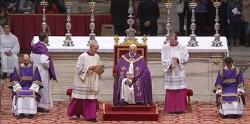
[27,26]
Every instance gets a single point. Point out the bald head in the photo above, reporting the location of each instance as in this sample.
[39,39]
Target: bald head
[93,44]
[26,59]
[93,47]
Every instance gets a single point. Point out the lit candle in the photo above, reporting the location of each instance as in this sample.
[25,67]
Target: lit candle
[193,1]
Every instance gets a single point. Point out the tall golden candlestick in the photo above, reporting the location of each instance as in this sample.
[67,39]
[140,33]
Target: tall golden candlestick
[217,42]
[193,42]
[168,24]
[68,41]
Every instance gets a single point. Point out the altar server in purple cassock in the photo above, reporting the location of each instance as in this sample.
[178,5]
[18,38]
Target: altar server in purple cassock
[26,82]
[133,80]
[174,55]
[86,87]
[230,87]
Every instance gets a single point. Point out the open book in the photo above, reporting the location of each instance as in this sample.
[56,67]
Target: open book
[175,62]
[99,69]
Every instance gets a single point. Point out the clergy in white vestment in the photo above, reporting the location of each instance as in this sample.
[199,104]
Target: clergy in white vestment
[174,56]
[9,50]
[26,82]
[86,84]
[41,59]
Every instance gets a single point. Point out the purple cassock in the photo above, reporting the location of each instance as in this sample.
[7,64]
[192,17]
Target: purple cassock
[87,108]
[40,48]
[141,82]
[26,76]
[228,81]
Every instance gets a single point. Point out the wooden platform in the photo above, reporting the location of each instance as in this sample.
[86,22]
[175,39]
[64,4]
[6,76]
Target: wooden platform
[130,112]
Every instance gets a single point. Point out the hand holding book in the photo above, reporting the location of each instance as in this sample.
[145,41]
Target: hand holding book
[99,69]
[175,61]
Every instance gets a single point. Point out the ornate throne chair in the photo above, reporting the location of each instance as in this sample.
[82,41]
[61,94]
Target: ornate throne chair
[123,48]
[131,112]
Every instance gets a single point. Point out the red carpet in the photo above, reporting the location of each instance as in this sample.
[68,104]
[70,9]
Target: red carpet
[202,113]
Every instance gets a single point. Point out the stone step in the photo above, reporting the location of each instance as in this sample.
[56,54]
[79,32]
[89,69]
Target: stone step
[130,113]
[131,108]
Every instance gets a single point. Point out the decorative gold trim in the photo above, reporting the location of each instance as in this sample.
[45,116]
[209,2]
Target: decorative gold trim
[26,78]
[216,61]
[144,39]
[229,94]
[229,81]
[130,41]
[116,39]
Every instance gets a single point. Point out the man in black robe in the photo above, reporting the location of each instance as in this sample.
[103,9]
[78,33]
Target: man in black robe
[119,12]
[148,12]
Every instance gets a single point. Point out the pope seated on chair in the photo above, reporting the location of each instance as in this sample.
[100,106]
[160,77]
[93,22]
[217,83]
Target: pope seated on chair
[26,82]
[132,80]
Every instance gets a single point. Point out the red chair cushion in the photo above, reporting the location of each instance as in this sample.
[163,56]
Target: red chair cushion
[189,92]
[69,92]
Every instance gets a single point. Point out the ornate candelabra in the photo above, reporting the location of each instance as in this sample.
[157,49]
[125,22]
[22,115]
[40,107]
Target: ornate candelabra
[68,41]
[217,42]
[44,4]
[192,42]
[168,6]
[130,31]
[92,34]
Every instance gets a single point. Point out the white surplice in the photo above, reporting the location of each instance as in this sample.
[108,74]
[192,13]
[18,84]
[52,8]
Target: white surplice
[27,104]
[9,43]
[231,108]
[127,92]
[1,30]
[86,82]
[234,107]
[41,61]
[174,77]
